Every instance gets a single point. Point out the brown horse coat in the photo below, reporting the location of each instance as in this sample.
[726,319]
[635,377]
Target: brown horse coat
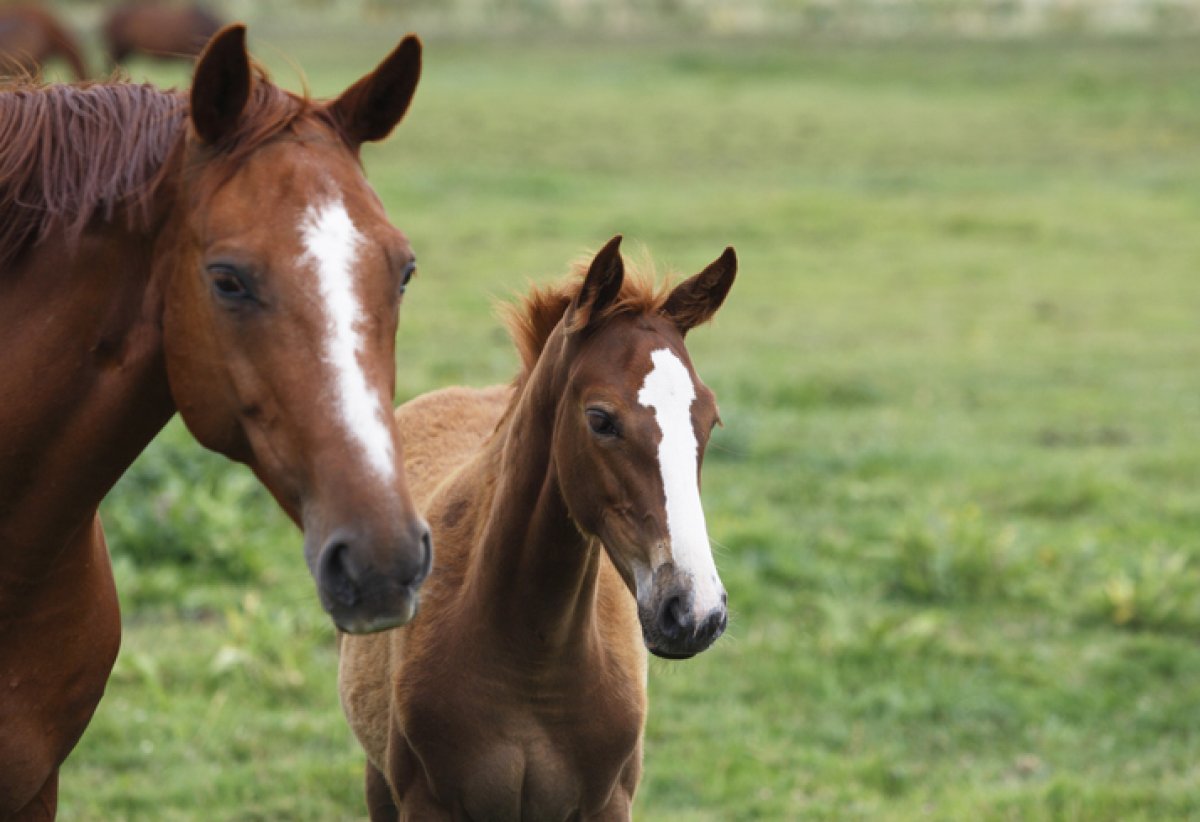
[519,690]
[162,252]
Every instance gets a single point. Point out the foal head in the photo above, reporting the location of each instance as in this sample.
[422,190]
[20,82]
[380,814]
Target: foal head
[630,436]
[283,282]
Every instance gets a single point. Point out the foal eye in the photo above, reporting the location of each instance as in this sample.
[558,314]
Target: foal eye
[602,423]
[228,283]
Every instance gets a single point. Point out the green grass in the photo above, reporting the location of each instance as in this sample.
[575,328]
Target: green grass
[956,494]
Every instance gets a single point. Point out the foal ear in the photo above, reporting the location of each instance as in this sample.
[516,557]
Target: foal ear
[221,85]
[372,107]
[600,286]
[697,298]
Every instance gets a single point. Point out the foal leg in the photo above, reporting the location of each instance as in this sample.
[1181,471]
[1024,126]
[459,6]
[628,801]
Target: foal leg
[380,805]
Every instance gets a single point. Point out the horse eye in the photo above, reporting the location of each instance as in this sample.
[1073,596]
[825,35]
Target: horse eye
[602,423]
[228,283]
[407,275]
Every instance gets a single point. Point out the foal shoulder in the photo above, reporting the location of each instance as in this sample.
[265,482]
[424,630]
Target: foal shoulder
[443,428]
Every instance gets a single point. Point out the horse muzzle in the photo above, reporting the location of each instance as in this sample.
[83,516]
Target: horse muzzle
[674,624]
[366,591]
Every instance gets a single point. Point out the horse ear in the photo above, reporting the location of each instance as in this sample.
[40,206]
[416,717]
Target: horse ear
[600,286]
[221,86]
[372,107]
[697,298]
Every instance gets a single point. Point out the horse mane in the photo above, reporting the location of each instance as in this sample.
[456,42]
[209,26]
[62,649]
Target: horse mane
[69,153]
[532,318]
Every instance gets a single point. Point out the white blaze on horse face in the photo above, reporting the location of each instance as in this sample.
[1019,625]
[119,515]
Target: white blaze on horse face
[669,392]
[331,244]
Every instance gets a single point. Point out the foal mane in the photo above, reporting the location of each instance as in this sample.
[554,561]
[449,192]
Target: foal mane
[532,318]
[69,153]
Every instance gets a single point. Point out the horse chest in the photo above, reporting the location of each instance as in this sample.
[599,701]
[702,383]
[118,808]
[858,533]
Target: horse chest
[497,756]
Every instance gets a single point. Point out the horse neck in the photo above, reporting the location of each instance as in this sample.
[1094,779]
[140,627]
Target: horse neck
[533,573]
[84,320]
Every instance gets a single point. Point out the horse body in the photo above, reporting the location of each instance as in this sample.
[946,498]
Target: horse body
[88,394]
[161,31]
[183,280]
[30,36]
[506,714]
[519,692]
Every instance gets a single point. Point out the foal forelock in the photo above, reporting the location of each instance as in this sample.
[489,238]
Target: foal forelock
[669,392]
[332,245]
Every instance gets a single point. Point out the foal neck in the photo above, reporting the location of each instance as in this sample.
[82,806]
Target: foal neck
[534,571]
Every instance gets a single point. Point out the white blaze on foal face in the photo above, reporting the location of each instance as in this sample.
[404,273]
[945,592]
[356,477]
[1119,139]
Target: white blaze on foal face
[669,391]
[331,244]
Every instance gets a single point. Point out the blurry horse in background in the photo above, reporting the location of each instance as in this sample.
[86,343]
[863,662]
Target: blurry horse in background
[570,539]
[219,254]
[30,36]
[160,31]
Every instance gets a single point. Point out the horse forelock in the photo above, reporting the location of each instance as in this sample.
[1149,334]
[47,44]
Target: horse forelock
[270,111]
[69,153]
[532,319]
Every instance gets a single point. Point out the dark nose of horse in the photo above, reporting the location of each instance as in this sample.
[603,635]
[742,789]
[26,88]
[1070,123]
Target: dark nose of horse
[368,590]
[679,627]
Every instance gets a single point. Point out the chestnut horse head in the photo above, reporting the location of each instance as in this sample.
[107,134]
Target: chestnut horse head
[216,253]
[283,279]
[629,442]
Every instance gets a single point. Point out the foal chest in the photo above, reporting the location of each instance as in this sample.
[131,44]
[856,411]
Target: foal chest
[558,757]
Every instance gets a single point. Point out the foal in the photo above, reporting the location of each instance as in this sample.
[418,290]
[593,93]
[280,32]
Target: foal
[566,510]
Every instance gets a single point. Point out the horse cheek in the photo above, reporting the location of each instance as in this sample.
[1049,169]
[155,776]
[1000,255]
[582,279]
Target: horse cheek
[197,376]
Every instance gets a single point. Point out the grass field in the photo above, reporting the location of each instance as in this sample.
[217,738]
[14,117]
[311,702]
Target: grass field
[956,492]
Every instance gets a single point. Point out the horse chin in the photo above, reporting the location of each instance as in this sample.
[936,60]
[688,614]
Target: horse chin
[665,647]
[374,623]
[670,629]
[661,654]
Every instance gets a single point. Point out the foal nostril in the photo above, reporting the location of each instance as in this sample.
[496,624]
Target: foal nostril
[336,575]
[674,620]
[713,626]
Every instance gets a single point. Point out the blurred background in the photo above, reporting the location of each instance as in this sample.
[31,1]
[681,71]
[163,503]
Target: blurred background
[956,495]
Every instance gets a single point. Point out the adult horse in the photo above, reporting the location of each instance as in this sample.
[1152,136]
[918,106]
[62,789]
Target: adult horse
[30,36]
[219,254]
[156,30]
[567,511]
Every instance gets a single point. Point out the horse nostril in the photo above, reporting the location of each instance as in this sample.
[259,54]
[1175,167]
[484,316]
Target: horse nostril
[426,558]
[713,626]
[418,559]
[337,576]
[674,620]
